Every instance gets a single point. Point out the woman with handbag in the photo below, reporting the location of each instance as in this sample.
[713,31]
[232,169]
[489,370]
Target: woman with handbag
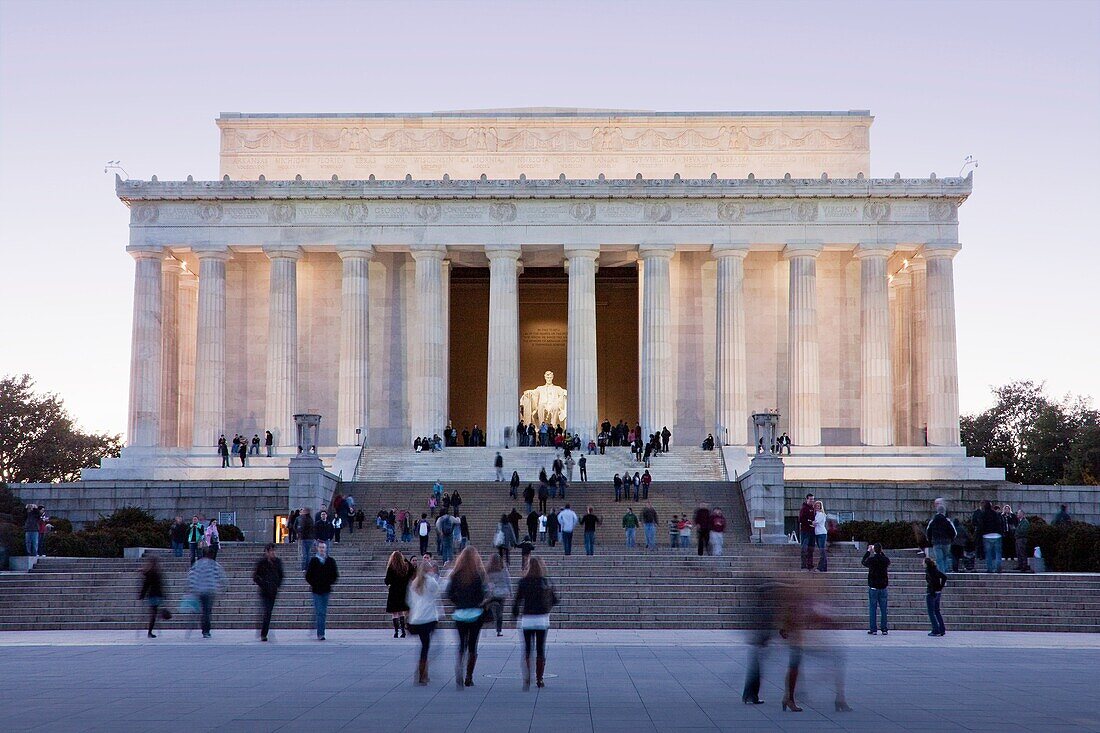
[534,599]
[212,539]
[467,589]
[398,575]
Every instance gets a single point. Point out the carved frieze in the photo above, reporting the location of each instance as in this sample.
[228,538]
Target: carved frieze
[805,210]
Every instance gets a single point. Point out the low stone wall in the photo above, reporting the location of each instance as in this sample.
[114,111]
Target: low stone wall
[255,502]
[909,501]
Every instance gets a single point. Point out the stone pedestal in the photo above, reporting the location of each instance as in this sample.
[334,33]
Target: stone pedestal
[762,485]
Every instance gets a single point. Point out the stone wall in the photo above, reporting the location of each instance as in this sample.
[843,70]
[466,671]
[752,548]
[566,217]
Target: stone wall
[255,502]
[908,501]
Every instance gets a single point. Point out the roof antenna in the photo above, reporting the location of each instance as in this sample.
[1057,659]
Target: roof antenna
[968,162]
[113,165]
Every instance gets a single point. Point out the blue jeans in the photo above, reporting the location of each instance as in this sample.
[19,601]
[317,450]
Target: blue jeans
[933,602]
[650,535]
[589,543]
[177,549]
[807,541]
[942,553]
[32,544]
[823,561]
[992,547]
[567,542]
[446,550]
[307,546]
[876,598]
[206,602]
[630,536]
[320,612]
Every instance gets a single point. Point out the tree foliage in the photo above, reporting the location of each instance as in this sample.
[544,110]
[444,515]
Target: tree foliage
[1036,439]
[39,441]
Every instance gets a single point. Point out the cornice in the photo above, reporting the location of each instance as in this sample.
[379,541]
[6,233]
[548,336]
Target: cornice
[955,190]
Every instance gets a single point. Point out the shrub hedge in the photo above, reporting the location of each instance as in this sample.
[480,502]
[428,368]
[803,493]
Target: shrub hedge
[1067,548]
[891,535]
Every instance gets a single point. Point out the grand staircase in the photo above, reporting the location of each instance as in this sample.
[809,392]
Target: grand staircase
[394,464]
[616,588]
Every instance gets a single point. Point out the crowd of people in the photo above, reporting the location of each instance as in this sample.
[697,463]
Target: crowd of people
[242,447]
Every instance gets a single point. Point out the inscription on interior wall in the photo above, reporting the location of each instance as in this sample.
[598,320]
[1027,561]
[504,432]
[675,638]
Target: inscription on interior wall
[544,336]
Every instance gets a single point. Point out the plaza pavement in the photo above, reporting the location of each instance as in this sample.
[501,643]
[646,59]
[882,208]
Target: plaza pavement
[614,681]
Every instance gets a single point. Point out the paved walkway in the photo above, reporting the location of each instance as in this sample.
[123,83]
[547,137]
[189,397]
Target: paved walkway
[602,681]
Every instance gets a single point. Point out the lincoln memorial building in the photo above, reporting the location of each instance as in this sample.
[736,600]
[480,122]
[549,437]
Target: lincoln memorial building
[396,272]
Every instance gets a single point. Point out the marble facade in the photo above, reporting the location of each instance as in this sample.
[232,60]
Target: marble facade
[773,274]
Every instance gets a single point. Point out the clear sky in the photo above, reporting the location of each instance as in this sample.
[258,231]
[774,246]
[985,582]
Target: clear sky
[1017,85]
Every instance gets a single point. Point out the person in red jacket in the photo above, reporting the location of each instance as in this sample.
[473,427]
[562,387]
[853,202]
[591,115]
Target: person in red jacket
[806,532]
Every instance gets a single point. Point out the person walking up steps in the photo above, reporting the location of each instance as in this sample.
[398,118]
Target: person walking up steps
[423,529]
[877,565]
[268,577]
[649,526]
[535,597]
[467,589]
[498,464]
[590,521]
[567,521]
[500,590]
[205,580]
[423,601]
[935,581]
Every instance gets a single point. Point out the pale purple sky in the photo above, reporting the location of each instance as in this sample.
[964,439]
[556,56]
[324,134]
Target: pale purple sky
[1015,84]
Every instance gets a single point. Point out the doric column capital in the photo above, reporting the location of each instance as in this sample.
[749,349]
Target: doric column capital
[212,253]
[730,249]
[807,248]
[356,252]
[933,250]
[874,248]
[428,252]
[145,251]
[902,278]
[581,250]
[283,251]
[652,251]
[502,252]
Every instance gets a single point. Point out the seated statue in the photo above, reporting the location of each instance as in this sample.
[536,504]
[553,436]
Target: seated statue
[544,404]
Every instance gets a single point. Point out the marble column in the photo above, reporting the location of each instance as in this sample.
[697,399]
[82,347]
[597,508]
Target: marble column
[209,421]
[187,313]
[876,426]
[901,308]
[503,366]
[582,397]
[942,357]
[803,365]
[730,398]
[656,398]
[429,413]
[353,392]
[143,425]
[170,352]
[282,345]
[446,317]
[918,334]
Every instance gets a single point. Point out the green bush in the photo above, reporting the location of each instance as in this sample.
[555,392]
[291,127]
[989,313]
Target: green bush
[230,533]
[11,539]
[108,536]
[1067,548]
[891,535]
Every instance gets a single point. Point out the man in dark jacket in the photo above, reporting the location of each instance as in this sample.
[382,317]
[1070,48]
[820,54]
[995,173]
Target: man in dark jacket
[976,523]
[941,533]
[990,527]
[649,526]
[589,521]
[552,527]
[806,532]
[268,576]
[177,533]
[30,528]
[702,528]
[529,497]
[665,435]
[323,529]
[513,519]
[533,524]
[877,580]
[321,574]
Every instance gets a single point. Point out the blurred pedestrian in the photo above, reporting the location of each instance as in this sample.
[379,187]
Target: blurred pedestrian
[268,577]
[467,589]
[422,598]
[717,531]
[941,533]
[535,597]
[1023,530]
[991,529]
[321,575]
[177,534]
[205,580]
[304,524]
[152,592]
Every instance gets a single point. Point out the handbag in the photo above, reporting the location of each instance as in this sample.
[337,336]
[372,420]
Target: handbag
[189,604]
